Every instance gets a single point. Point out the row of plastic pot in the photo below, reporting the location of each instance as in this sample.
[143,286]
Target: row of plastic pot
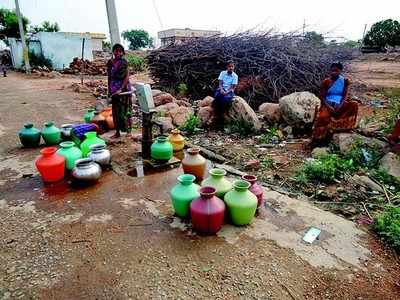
[216,200]
[30,136]
[53,163]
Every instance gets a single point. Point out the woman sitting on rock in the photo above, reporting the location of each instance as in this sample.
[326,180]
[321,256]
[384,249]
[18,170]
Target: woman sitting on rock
[337,113]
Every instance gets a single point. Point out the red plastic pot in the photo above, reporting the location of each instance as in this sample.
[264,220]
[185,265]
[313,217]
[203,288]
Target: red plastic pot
[255,188]
[50,165]
[207,212]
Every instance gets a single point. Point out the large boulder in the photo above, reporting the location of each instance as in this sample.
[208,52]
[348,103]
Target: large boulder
[183,103]
[163,110]
[270,112]
[166,123]
[345,141]
[206,101]
[299,109]
[241,111]
[163,98]
[205,115]
[180,114]
[391,164]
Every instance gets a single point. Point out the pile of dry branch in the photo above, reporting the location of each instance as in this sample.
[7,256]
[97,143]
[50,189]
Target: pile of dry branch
[269,65]
[95,67]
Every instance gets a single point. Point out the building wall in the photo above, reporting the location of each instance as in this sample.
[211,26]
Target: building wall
[62,47]
[97,44]
[17,52]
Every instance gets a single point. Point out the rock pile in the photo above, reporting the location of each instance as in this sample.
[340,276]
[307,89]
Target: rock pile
[95,67]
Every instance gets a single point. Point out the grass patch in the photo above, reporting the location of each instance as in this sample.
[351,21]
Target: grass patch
[136,63]
[392,115]
[325,169]
[191,125]
[387,226]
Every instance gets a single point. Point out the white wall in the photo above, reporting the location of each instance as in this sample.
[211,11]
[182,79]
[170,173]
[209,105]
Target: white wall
[17,52]
[62,47]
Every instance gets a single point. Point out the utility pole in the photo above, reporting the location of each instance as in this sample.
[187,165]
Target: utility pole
[304,27]
[113,22]
[22,34]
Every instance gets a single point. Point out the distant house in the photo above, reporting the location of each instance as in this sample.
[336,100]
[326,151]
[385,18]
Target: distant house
[177,36]
[59,47]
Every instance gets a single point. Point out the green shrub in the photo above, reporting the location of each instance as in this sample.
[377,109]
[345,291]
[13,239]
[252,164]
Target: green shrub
[382,176]
[39,60]
[182,89]
[240,127]
[271,135]
[387,226]
[356,154]
[326,168]
[136,63]
[393,113]
[191,125]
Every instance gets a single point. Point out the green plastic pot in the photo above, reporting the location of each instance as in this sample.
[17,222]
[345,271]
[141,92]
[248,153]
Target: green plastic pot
[183,194]
[218,181]
[88,116]
[241,203]
[91,139]
[29,136]
[161,149]
[51,134]
[70,153]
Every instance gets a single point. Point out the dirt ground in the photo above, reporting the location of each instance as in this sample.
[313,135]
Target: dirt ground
[119,239]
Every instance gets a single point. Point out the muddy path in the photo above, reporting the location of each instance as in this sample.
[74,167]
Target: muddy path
[119,239]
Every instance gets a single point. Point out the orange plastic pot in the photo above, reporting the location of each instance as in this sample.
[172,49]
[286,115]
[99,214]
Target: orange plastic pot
[50,165]
[106,112]
[110,122]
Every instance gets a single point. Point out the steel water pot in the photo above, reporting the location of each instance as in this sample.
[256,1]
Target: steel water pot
[86,171]
[100,154]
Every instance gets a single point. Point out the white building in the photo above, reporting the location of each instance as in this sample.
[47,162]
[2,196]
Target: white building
[177,36]
[59,47]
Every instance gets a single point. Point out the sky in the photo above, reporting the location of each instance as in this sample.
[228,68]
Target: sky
[339,18]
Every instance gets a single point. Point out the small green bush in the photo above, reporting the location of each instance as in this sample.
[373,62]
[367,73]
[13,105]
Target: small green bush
[271,135]
[182,89]
[387,226]
[136,63]
[240,127]
[39,60]
[393,113]
[191,125]
[357,156]
[382,176]
[326,168]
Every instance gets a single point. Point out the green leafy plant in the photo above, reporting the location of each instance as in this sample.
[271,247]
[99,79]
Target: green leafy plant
[136,63]
[272,134]
[191,125]
[326,168]
[393,113]
[382,176]
[387,226]
[39,60]
[182,89]
[363,155]
[240,127]
[267,161]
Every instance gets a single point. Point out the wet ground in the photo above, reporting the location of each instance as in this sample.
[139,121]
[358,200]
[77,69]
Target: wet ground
[119,239]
